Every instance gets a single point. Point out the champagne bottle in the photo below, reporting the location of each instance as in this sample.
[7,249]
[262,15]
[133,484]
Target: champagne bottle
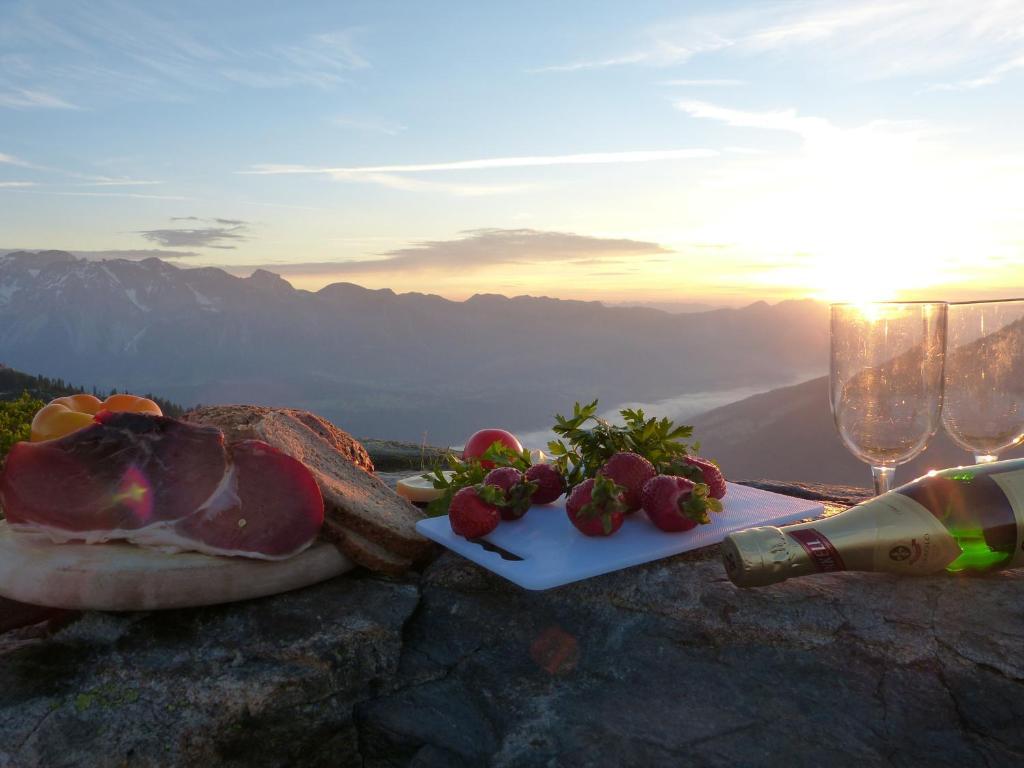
[954,520]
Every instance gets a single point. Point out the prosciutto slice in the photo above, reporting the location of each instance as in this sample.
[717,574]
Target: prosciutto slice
[162,483]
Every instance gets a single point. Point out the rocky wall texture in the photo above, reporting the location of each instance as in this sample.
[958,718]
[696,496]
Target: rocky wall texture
[665,664]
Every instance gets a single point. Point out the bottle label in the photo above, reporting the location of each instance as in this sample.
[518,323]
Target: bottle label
[891,533]
[1012,484]
[911,539]
[824,556]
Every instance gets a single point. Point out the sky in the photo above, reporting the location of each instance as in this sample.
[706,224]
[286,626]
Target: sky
[663,152]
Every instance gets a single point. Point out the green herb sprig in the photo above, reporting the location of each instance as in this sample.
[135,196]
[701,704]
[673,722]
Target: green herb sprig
[582,449]
[470,472]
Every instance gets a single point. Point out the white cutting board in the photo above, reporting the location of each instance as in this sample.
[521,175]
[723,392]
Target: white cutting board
[125,577]
[554,553]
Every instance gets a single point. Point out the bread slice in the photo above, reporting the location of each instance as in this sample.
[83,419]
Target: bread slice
[377,522]
[342,441]
[365,552]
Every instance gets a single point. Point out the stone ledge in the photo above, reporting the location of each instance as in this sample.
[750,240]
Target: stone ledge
[663,664]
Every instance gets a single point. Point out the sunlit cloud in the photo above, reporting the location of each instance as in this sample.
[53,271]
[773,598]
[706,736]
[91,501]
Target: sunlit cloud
[776,120]
[532,161]
[407,184]
[395,176]
[860,212]
[480,249]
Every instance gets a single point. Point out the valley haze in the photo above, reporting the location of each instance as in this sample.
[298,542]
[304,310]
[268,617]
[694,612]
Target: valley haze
[400,366]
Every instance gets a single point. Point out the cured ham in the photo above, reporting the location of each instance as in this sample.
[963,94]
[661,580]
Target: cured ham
[162,483]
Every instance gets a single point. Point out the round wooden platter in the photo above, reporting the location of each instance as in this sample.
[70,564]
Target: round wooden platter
[125,577]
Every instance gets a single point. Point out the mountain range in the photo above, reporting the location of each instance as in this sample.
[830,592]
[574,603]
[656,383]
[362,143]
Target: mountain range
[788,434]
[402,366]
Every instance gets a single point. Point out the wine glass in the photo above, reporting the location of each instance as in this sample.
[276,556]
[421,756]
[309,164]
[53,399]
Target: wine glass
[984,398]
[886,380]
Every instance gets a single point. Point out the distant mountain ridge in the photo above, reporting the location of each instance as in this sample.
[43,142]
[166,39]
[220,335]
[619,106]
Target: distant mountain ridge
[788,434]
[380,363]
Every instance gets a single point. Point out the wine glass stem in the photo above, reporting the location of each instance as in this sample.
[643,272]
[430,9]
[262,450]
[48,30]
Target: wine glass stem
[985,458]
[884,477]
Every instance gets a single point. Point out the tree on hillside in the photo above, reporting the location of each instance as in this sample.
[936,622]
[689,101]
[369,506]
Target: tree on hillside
[16,420]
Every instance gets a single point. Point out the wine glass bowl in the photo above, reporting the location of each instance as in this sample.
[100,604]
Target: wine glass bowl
[886,376]
[984,378]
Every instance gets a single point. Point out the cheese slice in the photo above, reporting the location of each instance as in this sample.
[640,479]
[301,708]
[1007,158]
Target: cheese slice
[418,489]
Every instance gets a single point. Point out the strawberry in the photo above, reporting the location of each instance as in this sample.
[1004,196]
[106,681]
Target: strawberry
[474,511]
[595,506]
[700,471]
[550,483]
[676,504]
[517,491]
[631,471]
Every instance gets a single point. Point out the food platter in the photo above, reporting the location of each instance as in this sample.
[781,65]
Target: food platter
[124,577]
[543,549]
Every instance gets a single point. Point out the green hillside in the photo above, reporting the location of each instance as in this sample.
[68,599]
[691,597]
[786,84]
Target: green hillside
[13,383]
[22,394]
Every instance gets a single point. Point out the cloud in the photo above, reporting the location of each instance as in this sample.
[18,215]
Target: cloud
[369,125]
[614,61]
[16,184]
[710,82]
[103,181]
[322,60]
[993,76]
[777,120]
[87,179]
[529,161]
[22,98]
[659,45]
[223,236]
[117,49]
[12,160]
[227,222]
[132,254]
[878,38]
[881,198]
[480,248]
[393,181]
[135,254]
[132,195]
[393,175]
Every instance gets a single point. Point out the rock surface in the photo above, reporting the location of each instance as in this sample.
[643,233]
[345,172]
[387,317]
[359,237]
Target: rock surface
[396,456]
[665,664]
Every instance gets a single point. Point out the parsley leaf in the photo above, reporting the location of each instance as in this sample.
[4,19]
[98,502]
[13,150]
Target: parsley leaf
[586,441]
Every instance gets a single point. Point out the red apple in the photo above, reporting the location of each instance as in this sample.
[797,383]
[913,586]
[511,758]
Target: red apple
[480,441]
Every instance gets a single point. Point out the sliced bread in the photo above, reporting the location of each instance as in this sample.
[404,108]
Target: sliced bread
[355,501]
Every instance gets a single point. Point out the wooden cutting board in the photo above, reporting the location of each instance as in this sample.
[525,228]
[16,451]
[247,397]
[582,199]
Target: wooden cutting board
[124,577]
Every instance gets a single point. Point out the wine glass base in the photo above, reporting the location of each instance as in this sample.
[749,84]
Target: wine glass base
[884,478]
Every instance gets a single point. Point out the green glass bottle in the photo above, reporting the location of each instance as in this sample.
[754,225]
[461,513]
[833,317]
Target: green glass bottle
[954,520]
